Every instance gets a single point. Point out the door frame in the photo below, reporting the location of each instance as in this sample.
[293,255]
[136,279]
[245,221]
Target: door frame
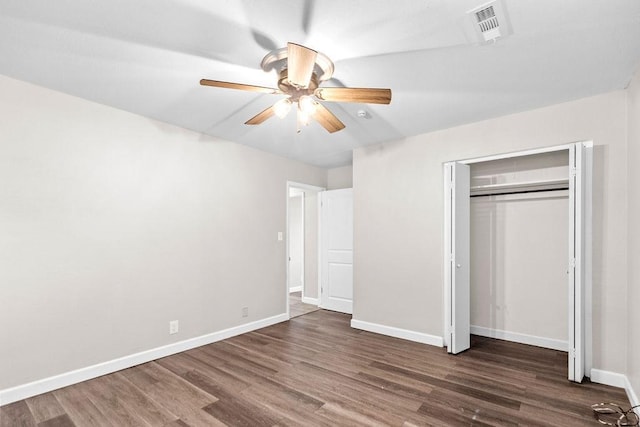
[306,187]
[580,300]
[302,237]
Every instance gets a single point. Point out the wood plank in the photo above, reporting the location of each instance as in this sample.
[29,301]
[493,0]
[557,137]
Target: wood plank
[16,414]
[59,421]
[140,376]
[348,394]
[477,409]
[179,403]
[316,370]
[135,400]
[177,423]
[189,365]
[105,398]
[79,408]
[479,393]
[45,407]
[290,406]
[255,362]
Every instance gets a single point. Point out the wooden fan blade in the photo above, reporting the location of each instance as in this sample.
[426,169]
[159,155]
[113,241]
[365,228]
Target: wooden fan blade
[300,63]
[352,94]
[327,119]
[261,116]
[239,86]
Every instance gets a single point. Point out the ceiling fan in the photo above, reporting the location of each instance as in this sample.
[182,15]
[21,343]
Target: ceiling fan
[300,72]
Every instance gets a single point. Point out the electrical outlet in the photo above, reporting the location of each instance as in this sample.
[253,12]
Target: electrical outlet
[173,327]
[245,311]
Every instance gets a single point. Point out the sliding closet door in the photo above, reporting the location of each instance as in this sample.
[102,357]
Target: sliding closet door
[576,262]
[457,257]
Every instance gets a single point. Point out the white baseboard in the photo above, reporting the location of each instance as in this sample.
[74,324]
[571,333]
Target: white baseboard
[398,333]
[68,378]
[631,394]
[616,380]
[295,289]
[313,301]
[520,338]
[608,378]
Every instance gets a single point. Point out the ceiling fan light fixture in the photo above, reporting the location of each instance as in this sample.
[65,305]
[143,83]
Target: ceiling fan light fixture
[303,116]
[300,71]
[307,105]
[282,108]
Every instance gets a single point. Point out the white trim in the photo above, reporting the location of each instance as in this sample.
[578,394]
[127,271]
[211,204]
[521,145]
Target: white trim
[631,394]
[575,284]
[578,311]
[588,255]
[616,380]
[321,258]
[55,382]
[303,186]
[613,379]
[312,301]
[519,153]
[295,289]
[446,262]
[319,246]
[404,334]
[289,185]
[520,338]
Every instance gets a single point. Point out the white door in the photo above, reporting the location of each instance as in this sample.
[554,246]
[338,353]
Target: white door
[576,275]
[457,257]
[336,250]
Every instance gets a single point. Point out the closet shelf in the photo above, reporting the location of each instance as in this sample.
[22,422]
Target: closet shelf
[520,187]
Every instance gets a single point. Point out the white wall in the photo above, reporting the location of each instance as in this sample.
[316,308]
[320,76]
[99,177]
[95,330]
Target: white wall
[519,250]
[519,247]
[633,300]
[338,178]
[398,208]
[113,224]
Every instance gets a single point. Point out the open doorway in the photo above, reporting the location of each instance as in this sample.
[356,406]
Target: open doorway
[302,248]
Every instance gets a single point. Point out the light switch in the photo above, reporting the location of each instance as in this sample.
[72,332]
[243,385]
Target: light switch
[280,236]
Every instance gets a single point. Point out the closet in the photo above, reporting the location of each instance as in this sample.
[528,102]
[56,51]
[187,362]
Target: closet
[516,247]
[519,211]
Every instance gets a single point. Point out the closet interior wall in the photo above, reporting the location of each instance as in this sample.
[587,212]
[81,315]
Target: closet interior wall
[519,229]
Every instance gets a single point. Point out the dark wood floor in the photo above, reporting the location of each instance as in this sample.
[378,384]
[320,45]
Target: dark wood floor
[316,370]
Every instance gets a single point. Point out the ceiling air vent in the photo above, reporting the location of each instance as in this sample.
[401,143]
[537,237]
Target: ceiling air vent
[490,21]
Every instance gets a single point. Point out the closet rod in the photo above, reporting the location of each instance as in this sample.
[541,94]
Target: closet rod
[520,192]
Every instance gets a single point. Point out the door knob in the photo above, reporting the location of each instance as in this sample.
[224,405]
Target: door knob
[458,265]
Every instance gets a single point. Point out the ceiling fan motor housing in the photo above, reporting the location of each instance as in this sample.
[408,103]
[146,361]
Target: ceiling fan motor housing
[296,92]
[277,60]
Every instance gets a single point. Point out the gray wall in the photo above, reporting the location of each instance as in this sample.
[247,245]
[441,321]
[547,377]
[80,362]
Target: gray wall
[633,299]
[338,178]
[398,214]
[113,224]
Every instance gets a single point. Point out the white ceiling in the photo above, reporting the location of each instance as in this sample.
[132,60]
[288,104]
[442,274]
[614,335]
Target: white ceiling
[147,57]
